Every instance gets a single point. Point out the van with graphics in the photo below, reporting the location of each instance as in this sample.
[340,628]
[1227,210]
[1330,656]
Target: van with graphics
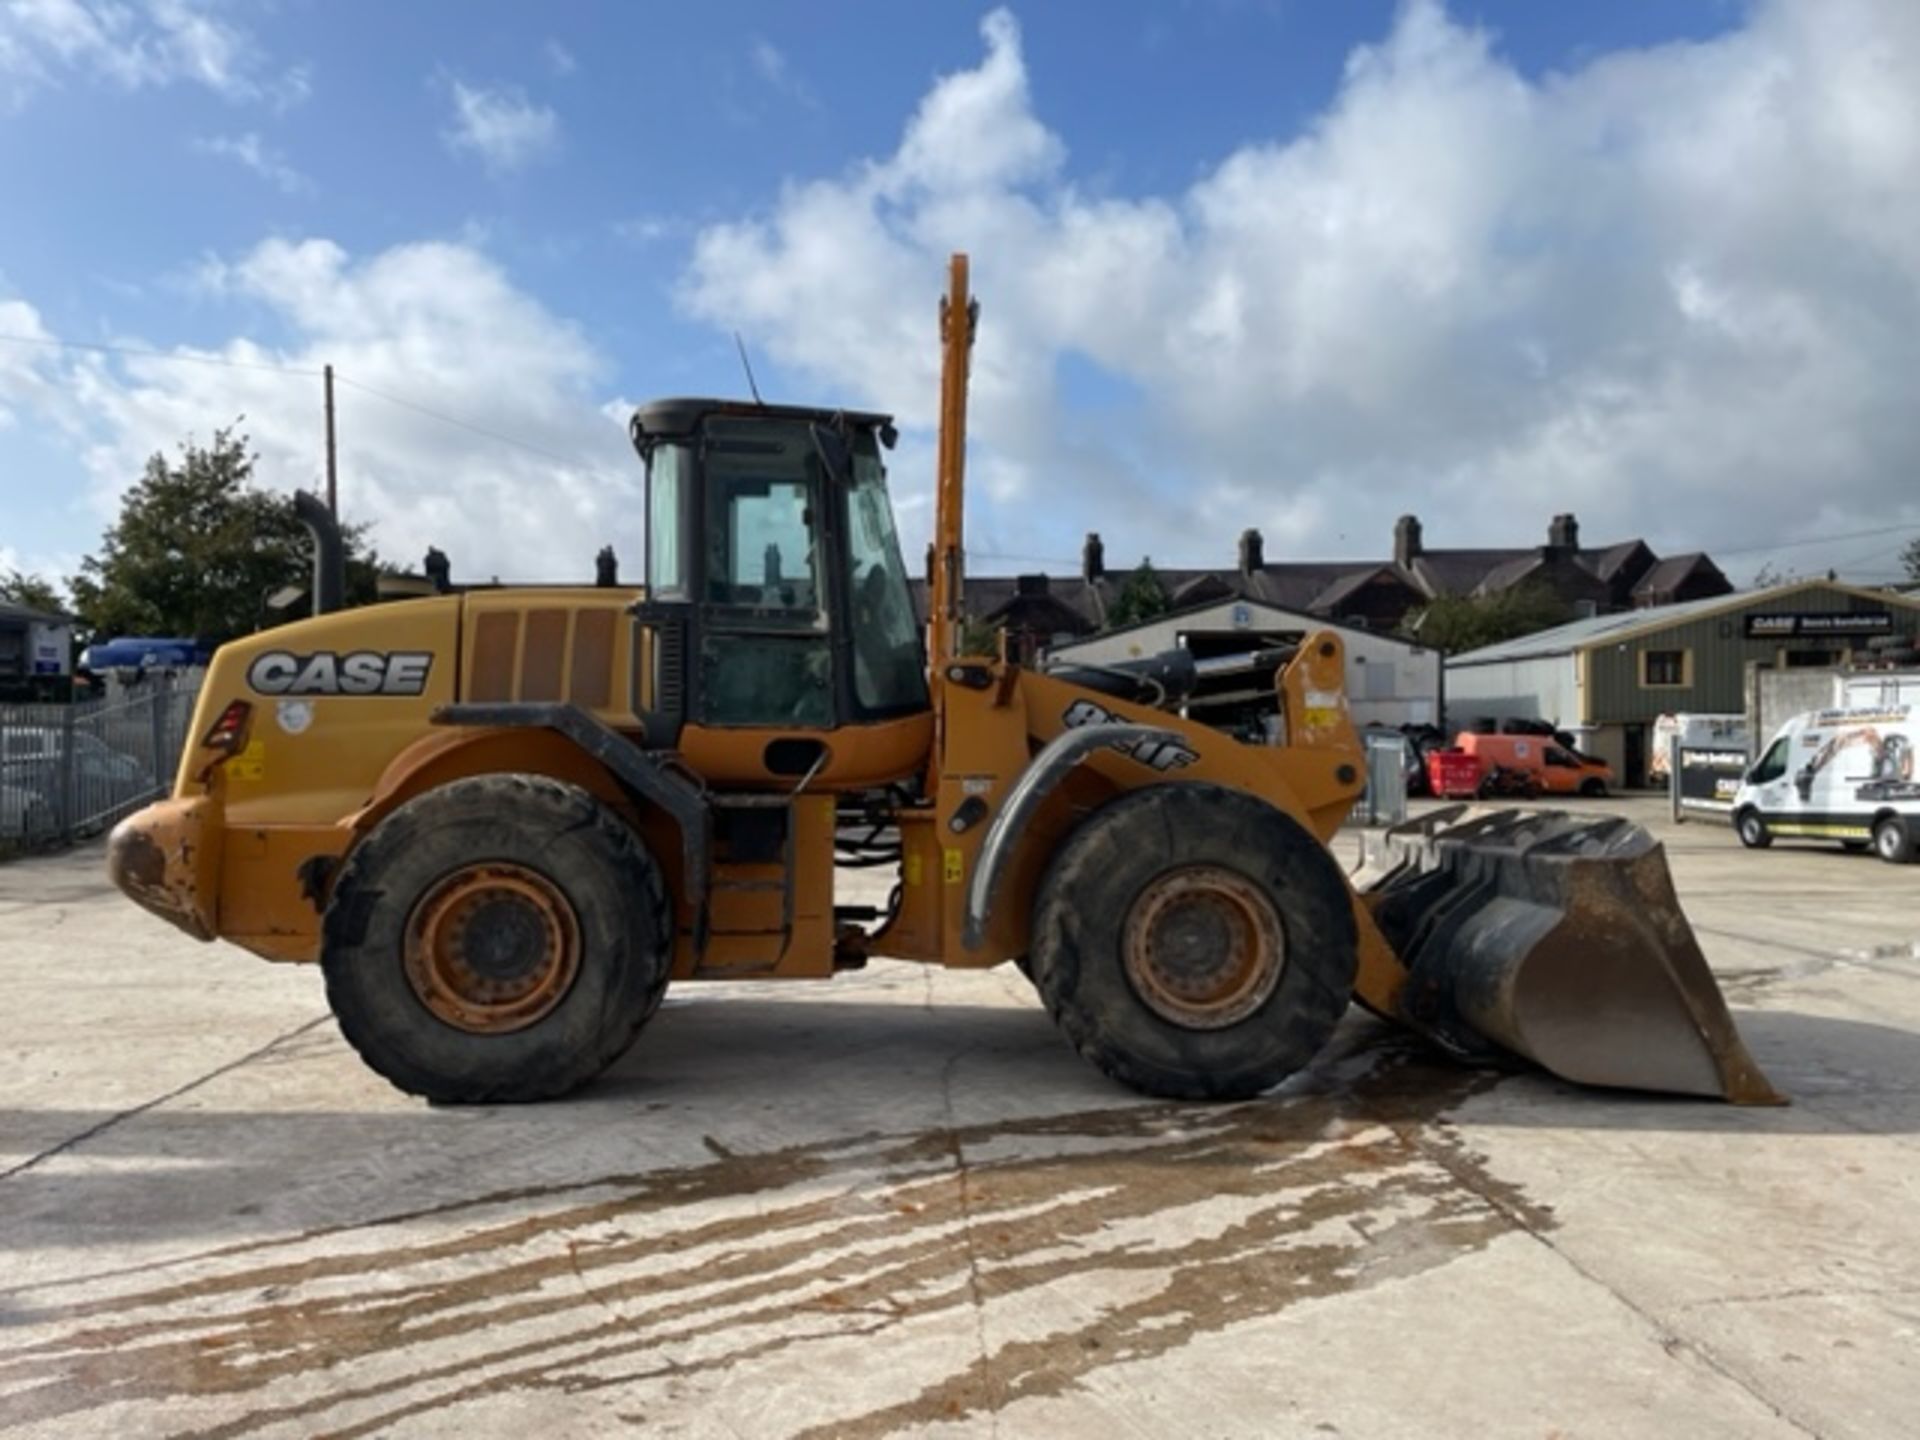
[1845,775]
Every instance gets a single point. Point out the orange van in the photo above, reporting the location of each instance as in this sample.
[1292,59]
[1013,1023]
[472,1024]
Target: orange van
[1554,768]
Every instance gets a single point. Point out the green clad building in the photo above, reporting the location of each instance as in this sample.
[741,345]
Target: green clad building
[1609,677]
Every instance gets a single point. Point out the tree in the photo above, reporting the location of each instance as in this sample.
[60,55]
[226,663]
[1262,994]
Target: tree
[1910,559]
[197,549]
[1141,597]
[32,592]
[1456,623]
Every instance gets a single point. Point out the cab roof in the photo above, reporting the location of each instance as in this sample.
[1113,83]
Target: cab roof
[680,416]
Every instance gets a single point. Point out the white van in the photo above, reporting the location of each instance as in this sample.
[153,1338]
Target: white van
[1845,775]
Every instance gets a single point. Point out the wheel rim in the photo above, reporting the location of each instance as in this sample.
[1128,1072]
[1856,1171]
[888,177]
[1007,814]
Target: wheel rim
[1889,839]
[492,948]
[1204,947]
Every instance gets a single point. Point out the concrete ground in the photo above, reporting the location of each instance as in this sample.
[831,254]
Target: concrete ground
[897,1204]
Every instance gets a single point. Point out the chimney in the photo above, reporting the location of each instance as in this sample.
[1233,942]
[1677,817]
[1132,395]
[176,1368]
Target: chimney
[1093,558]
[1564,534]
[1406,541]
[1030,585]
[1253,552]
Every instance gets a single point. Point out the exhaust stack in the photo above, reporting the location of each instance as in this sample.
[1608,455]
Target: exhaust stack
[329,552]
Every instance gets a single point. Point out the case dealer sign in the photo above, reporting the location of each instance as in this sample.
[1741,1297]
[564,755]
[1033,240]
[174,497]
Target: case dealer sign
[360,672]
[1803,624]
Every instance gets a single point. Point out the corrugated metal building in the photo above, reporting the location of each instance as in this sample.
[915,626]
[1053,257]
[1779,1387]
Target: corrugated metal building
[1611,676]
[1389,680]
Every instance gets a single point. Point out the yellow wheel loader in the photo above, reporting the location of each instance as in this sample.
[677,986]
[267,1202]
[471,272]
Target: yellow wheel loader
[503,821]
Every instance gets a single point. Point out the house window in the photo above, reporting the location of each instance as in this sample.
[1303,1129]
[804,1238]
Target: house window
[1666,669]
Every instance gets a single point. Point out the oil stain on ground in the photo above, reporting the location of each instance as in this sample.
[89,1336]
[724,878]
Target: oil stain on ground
[998,1262]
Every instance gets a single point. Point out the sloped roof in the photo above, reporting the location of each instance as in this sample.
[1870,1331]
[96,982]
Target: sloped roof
[1348,585]
[11,611]
[1609,629]
[1264,616]
[1668,574]
[1509,574]
[1606,562]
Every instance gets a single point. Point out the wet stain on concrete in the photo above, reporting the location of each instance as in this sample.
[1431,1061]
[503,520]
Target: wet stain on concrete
[1192,1220]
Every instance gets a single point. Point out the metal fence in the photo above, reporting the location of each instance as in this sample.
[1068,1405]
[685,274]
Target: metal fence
[70,771]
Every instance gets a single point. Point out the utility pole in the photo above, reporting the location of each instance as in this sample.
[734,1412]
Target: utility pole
[333,491]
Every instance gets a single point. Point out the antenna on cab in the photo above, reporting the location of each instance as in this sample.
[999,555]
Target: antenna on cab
[747,365]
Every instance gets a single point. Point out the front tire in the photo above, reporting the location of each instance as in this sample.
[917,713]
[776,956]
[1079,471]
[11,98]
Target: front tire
[499,939]
[1594,789]
[1194,943]
[1752,830]
[1893,840]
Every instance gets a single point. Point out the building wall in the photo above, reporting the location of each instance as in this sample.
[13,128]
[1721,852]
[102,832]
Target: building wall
[1721,653]
[1776,696]
[1389,682]
[1540,688]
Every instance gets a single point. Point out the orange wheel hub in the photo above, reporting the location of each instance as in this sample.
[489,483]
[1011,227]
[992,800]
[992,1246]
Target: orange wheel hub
[1204,947]
[492,947]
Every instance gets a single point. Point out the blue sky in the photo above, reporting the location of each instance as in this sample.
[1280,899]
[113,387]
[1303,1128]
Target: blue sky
[1301,266]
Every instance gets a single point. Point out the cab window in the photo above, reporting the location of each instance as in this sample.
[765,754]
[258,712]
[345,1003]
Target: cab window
[889,665]
[764,654]
[666,469]
[1561,759]
[1772,765]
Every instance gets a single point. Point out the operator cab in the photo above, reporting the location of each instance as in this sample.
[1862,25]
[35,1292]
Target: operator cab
[775,586]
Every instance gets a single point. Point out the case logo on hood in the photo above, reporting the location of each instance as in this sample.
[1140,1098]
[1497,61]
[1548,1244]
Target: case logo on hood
[362,672]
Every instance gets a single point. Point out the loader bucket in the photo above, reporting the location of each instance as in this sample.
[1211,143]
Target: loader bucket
[1559,938]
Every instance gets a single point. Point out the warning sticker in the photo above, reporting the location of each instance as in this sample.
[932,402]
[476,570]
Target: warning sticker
[953,866]
[250,763]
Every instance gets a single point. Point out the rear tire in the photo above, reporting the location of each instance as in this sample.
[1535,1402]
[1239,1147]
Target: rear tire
[499,939]
[1893,840]
[1752,830]
[1194,943]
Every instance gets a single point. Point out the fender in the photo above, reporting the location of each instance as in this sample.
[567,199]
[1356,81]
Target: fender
[647,773]
[1046,770]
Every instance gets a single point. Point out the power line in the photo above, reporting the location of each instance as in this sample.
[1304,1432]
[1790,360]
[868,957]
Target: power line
[1801,543]
[457,423]
[138,353]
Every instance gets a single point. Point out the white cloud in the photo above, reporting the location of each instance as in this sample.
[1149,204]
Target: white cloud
[501,126]
[263,160]
[770,63]
[645,229]
[1674,290]
[137,44]
[560,60]
[437,325]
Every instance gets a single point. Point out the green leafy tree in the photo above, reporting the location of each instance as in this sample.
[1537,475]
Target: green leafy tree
[1453,624]
[197,550]
[31,591]
[1141,597]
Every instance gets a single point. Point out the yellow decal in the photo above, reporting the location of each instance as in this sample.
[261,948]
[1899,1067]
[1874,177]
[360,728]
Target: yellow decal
[954,865]
[250,763]
[913,867]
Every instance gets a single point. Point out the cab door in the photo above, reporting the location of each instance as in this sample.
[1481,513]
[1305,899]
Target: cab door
[1770,788]
[765,657]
